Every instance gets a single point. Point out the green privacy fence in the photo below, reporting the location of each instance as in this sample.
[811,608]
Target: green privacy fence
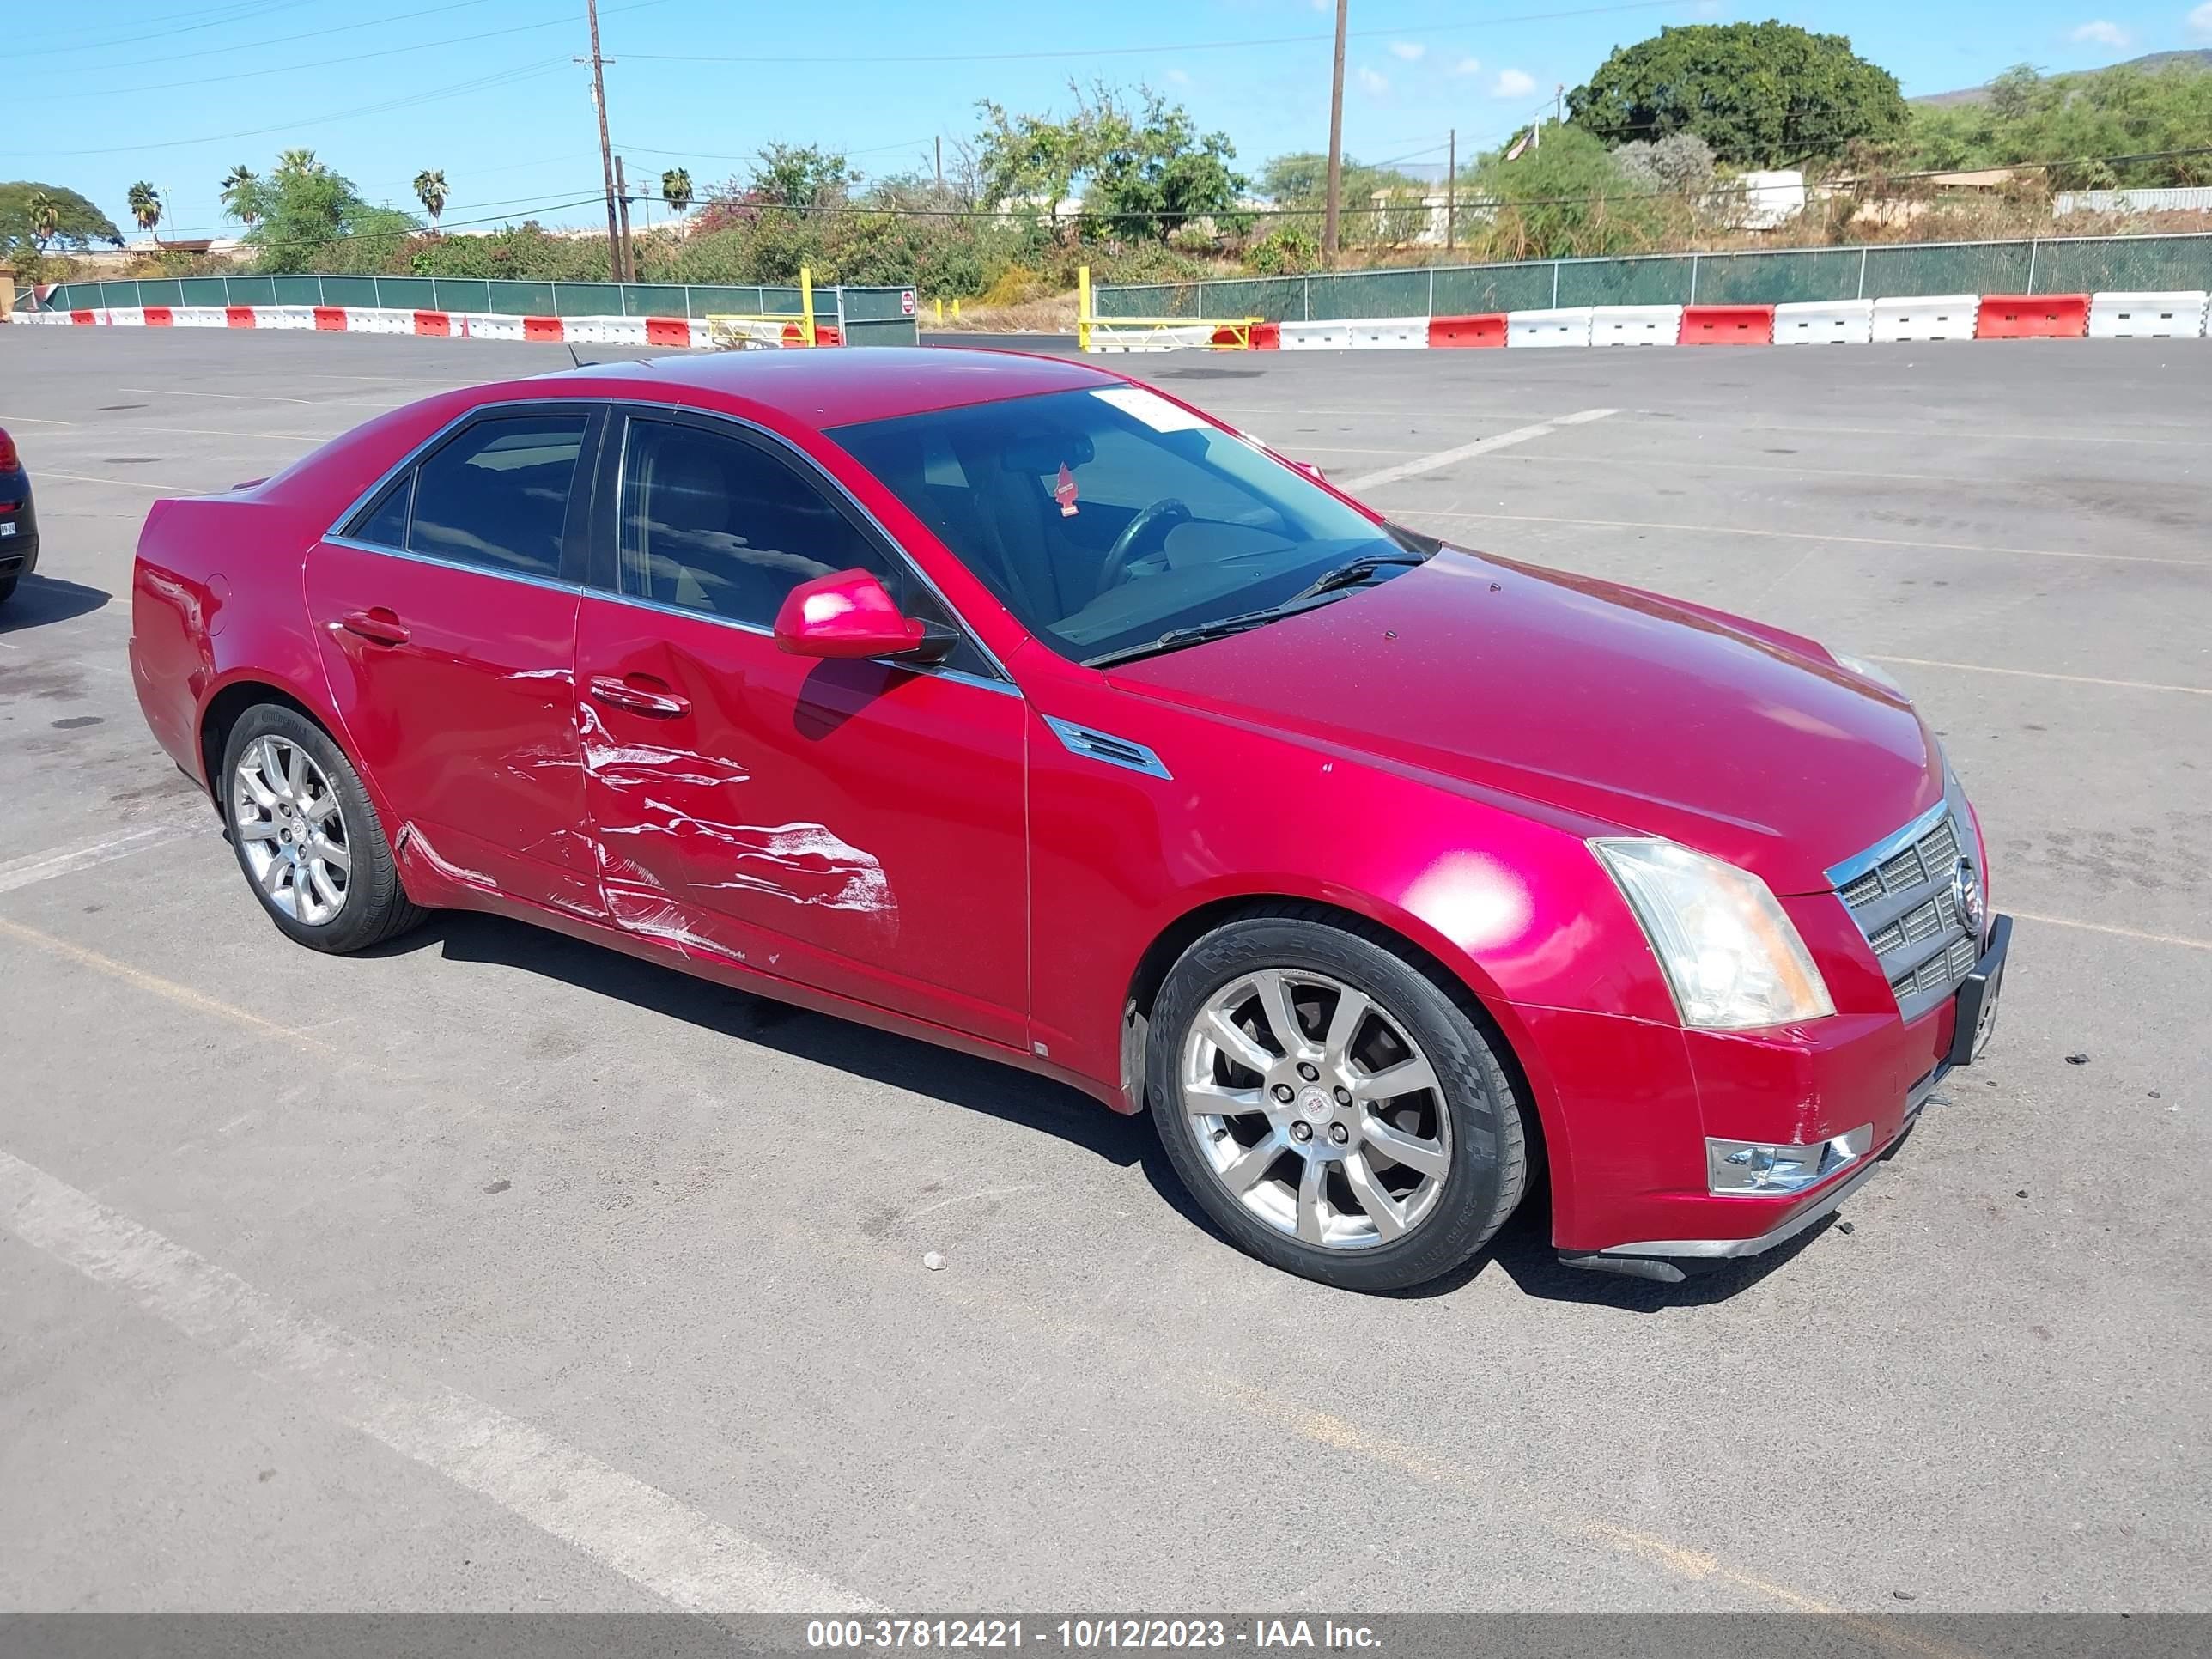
[2044,265]
[868,316]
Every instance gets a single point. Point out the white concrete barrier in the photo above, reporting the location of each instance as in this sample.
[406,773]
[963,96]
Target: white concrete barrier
[2169,316]
[362,320]
[1930,317]
[284,317]
[1570,326]
[1614,325]
[484,327]
[1316,336]
[1391,334]
[1824,322]
[199,317]
[605,330]
[124,316]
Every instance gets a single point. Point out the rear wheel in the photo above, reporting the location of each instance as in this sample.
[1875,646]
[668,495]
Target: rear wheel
[1335,1110]
[307,836]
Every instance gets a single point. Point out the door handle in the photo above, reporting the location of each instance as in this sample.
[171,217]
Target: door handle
[660,705]
[378,624]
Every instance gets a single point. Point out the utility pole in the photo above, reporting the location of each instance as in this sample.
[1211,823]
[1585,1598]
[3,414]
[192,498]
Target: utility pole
[1451,188]
[1335,143]
[607,149]
[629,248]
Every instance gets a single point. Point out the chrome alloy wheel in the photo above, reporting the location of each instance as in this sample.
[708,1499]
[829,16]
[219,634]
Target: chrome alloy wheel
[292,829]
[1316,1109]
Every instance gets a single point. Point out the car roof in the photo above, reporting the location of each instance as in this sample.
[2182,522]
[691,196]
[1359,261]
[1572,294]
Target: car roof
[827,387]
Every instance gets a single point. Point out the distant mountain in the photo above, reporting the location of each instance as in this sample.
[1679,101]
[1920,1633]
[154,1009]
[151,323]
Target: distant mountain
[2150,63]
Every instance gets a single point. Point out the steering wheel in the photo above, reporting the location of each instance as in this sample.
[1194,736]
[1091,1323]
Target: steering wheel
[1162,516]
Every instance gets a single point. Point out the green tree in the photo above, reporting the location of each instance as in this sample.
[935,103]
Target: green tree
[675,188]
[241,194]
[1762,95]
[431,190]
[76,223]
[1300,181]
[2080,121]
[1146,169]
[801,176]
[1561,198]
[313,219]
[145,205]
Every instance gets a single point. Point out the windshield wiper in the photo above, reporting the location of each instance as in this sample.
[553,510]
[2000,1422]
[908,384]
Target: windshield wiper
[1357,571]
[1176,638]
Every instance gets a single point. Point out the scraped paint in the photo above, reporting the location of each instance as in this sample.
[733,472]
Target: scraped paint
[410,835]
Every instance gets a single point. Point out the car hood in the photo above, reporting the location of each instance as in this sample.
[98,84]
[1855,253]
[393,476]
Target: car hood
[1647,715]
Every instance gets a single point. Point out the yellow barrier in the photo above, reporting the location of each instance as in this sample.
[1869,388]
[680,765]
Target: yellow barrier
[1238,329]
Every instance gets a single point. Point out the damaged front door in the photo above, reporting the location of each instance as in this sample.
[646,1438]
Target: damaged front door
[855,826]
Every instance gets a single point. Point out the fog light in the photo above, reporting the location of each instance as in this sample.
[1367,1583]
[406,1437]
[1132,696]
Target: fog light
[1749,1167]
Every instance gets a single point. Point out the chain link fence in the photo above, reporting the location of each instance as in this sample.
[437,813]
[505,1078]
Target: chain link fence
[2085,264]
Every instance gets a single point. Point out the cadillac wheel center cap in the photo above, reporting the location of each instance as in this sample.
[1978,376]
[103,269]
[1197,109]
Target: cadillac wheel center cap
[1316,1107]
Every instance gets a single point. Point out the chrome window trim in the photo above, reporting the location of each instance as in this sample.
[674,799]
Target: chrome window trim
[1079,739]
[408,553]
[1842,875]
[811,468]
[933,670]
[414,457]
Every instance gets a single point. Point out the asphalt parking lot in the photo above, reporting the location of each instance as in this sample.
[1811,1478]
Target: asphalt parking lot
[492,1272]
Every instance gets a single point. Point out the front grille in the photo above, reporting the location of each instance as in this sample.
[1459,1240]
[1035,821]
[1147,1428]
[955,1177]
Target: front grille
[1907,906]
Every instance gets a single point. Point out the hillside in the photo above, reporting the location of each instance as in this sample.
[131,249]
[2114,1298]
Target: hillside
[2150,64]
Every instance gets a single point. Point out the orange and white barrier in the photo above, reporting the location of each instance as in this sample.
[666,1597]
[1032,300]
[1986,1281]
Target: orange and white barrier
[694,332]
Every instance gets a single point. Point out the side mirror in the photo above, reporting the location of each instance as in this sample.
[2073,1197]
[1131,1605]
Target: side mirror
[850,614]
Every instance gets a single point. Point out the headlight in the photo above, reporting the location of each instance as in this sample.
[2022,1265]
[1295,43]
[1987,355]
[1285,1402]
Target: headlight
[1730,955]
[1867,670]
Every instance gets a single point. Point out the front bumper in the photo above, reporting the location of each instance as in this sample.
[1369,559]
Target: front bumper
[1632,1194]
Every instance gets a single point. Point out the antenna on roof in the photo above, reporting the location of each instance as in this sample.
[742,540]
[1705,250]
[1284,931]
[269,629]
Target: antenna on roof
[572,357]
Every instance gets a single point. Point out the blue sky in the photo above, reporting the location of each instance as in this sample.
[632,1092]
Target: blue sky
[176,91]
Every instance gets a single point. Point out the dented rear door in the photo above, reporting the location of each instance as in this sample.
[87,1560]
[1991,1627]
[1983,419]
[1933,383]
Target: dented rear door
[854,826]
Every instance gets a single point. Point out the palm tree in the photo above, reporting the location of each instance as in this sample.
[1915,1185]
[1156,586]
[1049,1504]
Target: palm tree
[240,186]
[431,190]
[675,188]
[45,218]
[146,206]
[300,163]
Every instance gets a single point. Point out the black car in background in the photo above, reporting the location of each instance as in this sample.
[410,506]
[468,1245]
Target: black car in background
[19,524]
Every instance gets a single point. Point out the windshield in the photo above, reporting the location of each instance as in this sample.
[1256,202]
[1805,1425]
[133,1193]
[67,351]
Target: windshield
[1106,518]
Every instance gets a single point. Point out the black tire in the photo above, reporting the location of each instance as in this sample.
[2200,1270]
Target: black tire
[376,907]
[1488,1166]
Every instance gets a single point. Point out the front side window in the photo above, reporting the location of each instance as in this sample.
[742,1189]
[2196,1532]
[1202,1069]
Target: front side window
[497,495]
[713,524]
[1105,517]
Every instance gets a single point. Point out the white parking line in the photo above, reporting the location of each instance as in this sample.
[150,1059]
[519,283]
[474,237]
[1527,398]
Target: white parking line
[1519,434]
[638,1530]
[232,396]
[35,867]
[1801,535]
[2039,674]
[2120,932]
[128,484]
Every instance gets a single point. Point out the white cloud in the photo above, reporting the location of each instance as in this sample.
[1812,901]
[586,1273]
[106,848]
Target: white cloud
[1519,83]
[2103,33]
[1407,50]
[1179,77]
[2201,19]
[1470,65]
[1375,85]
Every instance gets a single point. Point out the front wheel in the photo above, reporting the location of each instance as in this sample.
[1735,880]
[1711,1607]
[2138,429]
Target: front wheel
[1336,1111]
[307,836]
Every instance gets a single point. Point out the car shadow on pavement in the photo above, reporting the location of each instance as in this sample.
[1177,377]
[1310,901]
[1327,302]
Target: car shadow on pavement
[1003,1091]
[1523,1252]
[41,599]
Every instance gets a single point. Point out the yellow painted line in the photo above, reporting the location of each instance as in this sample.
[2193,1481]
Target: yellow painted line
[2040,674]
[1340,1435]
[1412,512]
[2185,942]
[182,995]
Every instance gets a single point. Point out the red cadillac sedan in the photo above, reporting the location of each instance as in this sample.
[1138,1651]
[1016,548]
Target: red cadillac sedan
[1001,702]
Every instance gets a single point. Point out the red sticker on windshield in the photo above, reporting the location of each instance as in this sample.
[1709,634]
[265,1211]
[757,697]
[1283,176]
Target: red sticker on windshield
[1063,491]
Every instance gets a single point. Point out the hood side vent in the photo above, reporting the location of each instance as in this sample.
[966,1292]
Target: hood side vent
[1094,745]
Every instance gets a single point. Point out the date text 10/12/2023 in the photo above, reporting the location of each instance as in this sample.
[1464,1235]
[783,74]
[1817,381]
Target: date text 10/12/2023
[1091,1635]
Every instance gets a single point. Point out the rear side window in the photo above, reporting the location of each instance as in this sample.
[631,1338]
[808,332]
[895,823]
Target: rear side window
[496,495]
[386,526]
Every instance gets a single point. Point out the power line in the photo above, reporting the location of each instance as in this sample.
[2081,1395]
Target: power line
[215,52]
[226,14]
[1092,51]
